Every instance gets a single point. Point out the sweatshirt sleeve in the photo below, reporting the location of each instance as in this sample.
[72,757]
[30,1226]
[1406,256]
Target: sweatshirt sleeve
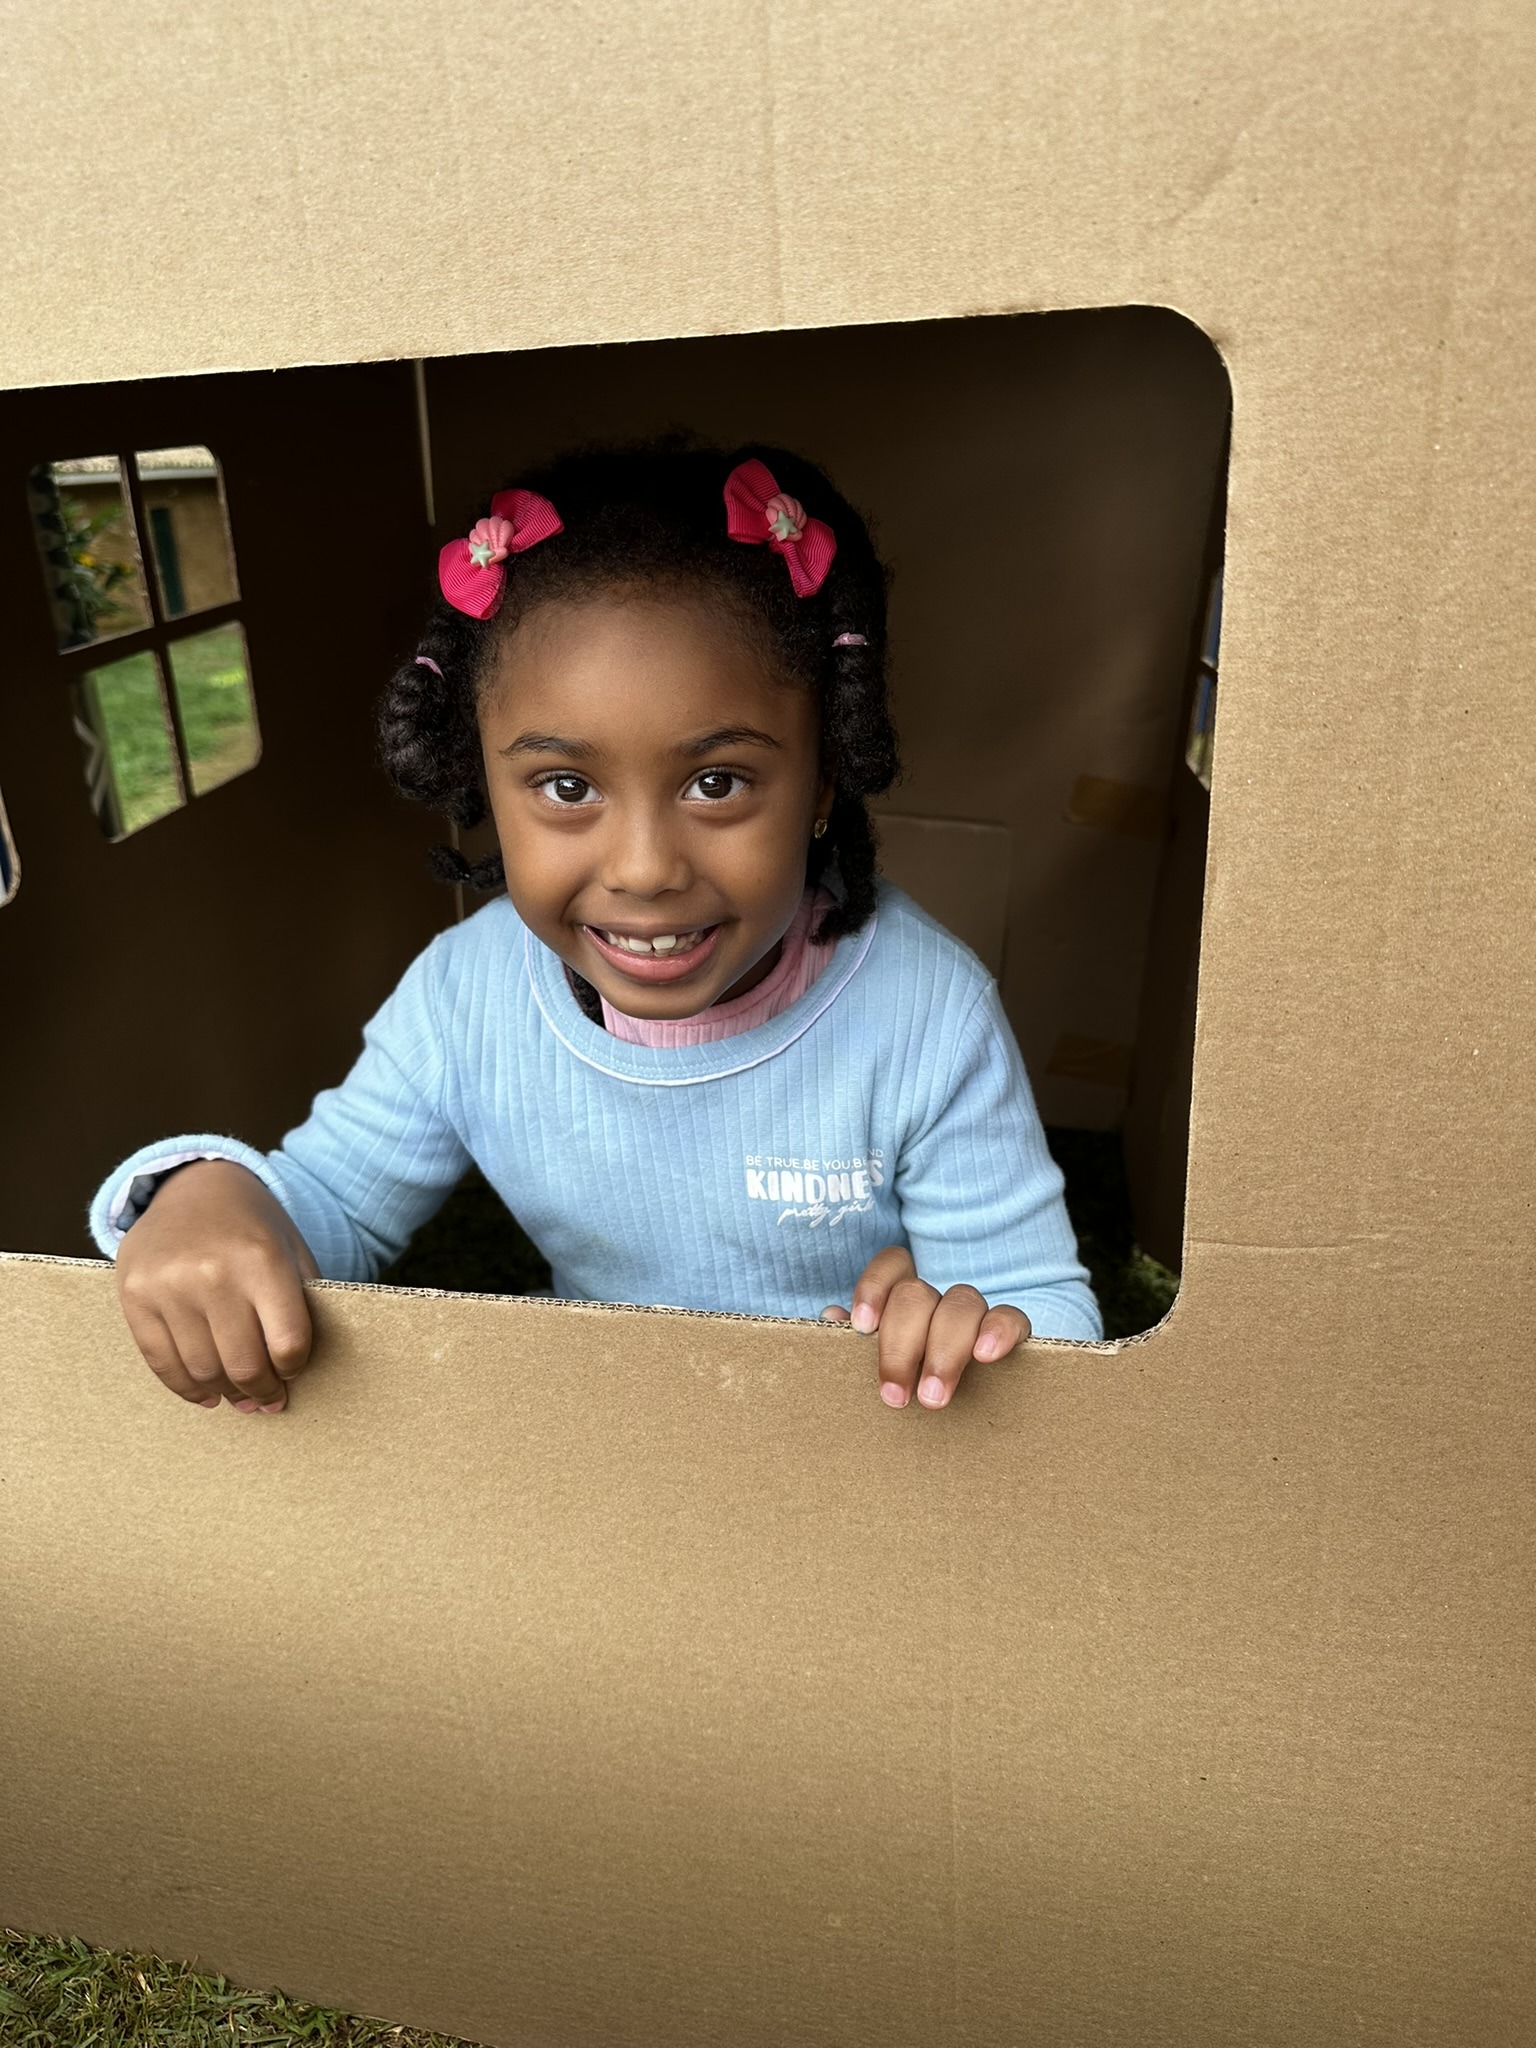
[981,1197]
[373,1160]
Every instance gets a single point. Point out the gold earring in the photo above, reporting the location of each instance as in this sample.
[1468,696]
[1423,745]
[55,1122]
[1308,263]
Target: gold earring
[818,828]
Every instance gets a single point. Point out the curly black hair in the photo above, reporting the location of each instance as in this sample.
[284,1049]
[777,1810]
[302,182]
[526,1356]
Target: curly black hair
[654,514]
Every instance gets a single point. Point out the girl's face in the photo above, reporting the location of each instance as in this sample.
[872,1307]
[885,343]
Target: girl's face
[654,787]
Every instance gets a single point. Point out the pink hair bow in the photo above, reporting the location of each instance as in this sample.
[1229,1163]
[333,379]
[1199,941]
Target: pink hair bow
[470,573]
[757,511]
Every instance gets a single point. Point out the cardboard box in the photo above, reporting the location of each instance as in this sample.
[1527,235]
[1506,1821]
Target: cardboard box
[578,1675]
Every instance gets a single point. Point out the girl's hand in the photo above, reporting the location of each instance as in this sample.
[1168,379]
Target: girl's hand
[211,1279]
[927,1339]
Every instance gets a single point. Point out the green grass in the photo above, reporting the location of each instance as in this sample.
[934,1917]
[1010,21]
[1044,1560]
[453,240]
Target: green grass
[124,707]
[213,695]
[63,1994]
[213,692]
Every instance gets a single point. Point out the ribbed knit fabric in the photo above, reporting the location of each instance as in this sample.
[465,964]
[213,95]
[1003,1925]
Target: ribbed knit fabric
[799,965]
[888,1105]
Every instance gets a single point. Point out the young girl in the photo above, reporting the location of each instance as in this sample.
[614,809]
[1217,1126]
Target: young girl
[705,1056]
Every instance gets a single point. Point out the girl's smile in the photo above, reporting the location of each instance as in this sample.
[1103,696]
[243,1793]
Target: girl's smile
[663,956]
[655,783]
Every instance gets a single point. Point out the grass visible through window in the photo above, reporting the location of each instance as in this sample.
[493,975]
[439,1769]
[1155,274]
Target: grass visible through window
[213,694]
[123,707]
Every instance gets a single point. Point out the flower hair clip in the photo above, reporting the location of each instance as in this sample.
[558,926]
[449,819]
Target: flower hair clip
[759,513]
[470,572]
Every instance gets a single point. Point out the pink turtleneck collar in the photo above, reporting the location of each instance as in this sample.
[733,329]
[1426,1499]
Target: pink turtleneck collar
[797,967]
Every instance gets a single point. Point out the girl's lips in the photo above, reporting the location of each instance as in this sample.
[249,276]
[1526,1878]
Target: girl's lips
[654,967]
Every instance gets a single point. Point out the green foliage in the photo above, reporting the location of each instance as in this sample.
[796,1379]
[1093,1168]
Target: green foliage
[94,579]
[59,1993]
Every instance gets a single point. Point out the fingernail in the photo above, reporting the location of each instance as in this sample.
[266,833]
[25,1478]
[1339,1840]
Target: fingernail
[246,1407]
[864,1318]
[933,1393]
[892,1395]
[273,1407]
[213,1401]
[986,1347]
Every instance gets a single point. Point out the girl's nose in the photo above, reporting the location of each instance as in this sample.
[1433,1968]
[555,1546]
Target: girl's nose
[643,858]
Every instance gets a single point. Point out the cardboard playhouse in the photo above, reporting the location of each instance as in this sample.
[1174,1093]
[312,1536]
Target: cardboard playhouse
[577,1675]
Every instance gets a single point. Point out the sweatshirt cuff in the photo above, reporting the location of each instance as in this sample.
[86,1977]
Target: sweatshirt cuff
[128,1190]
[1074,1316]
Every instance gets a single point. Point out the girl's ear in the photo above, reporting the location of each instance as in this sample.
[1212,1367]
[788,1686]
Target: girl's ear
[825,795]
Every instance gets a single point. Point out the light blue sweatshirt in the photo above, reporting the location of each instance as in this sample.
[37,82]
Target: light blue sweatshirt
[888,1105]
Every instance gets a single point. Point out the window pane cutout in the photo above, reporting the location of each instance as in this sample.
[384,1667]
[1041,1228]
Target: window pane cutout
[1200,746]
[10,866]
[183,496]
[211,678]
[90,551]
[130,752]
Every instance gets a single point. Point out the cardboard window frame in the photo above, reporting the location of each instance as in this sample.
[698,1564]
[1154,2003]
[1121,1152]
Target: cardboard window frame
[161,634]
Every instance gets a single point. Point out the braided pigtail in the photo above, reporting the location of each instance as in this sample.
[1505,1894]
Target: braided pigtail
[850,841]
[430,741]
[858,736]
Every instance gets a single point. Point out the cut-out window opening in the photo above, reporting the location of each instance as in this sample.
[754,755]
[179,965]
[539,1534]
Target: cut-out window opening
[10,866]
[1200,749]
[172,715]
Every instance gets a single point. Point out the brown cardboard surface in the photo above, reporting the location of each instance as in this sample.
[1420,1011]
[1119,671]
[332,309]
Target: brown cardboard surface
[580,1675]
[958,871]
[566,1677]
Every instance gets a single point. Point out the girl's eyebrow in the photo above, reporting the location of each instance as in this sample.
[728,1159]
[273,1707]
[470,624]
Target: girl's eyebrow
[548,743]
[584,750]
[729,736]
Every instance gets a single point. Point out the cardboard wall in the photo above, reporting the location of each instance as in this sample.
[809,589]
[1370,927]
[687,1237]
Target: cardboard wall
[558,1676]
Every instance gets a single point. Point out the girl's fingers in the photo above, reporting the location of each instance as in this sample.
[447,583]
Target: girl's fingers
[241,1345]
[835,1315]
[164,1360]
[886,1270]
[283,1314]
[1002,1329]
[952,1335]
[199,1355]
[906,1314]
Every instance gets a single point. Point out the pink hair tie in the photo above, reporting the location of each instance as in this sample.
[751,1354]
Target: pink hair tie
[759,513]
[850,640]
[470,572]
[426,661]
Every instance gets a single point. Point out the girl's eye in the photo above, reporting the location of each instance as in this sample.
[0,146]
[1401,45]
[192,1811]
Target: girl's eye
[569,790]
[715,783]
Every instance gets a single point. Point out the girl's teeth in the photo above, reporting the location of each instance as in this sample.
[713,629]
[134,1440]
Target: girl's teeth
[664,942]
